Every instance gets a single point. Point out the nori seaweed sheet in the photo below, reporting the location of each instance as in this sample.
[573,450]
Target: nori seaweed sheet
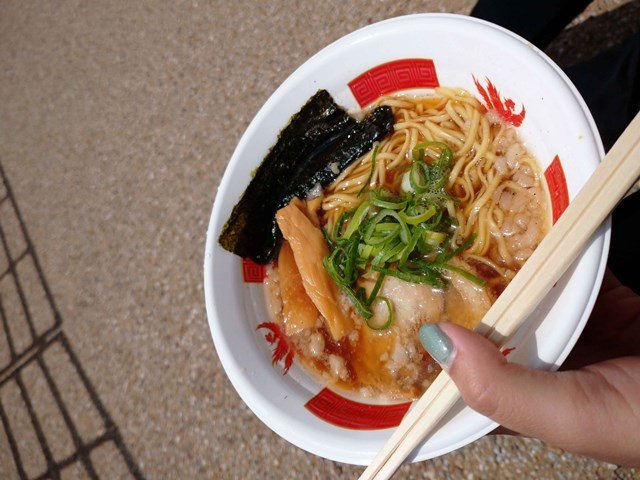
[352,145]
[320,134]
[248,231]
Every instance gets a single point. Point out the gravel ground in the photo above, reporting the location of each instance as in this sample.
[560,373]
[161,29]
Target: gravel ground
[117,120]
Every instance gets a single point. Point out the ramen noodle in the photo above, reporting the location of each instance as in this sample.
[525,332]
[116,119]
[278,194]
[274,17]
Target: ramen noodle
[429,226]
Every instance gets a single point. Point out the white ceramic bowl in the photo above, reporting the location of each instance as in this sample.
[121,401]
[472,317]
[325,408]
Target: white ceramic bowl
[557,124]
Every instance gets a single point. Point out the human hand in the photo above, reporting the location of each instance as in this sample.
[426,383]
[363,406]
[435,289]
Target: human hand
[594,411]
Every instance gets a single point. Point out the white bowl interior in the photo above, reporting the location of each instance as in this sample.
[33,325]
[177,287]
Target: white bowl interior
[557,122]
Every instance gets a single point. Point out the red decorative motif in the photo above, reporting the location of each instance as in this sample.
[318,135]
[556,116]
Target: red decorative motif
[346,413]
[557,188]
[507,351]
[282,348]
[393,76]
[253,272]
[493,101]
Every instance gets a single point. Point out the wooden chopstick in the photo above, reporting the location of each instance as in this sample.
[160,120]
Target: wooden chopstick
[634,188]
[609,183]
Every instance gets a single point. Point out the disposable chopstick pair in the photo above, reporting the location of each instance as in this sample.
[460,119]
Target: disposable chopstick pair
[607,186]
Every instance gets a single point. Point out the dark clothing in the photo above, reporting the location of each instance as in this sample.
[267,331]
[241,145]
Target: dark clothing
[539,21]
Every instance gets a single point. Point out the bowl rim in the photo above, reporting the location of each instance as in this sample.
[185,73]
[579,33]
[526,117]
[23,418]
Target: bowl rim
[253,397]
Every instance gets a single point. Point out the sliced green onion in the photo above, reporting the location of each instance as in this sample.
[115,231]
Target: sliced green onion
[405,236]
[361,293]
[382,240]
[433,222]
[376,289]
[416,218]
[390,317]
[381,215]
[444,162]
[384,227]
[445,152]
[421,277]
[327,238]
[433,238]
[435,177]
[357,218]
[419,177]
[365,250]
[391,203]
[337,228]
[417,154]
[350,273]
[460,271]
[446,256]
[408,249]
[362,309]
[331,262]
[357,302]
[388,253]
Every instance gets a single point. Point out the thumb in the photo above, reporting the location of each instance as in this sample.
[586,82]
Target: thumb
[556,407]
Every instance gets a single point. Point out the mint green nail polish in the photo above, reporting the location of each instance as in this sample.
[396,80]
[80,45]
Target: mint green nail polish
[436,343]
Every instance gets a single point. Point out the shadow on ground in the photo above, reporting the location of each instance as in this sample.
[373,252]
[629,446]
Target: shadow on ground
[52,429]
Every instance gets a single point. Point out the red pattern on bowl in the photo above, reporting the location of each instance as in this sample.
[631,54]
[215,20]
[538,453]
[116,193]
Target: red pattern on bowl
[392,77]
[380,80]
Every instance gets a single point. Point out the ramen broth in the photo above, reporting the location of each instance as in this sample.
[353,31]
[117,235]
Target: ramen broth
[499,206]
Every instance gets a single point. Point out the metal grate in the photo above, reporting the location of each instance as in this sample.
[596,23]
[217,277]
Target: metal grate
[52,429]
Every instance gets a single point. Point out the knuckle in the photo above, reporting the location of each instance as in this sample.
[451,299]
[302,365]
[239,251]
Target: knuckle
[480,395]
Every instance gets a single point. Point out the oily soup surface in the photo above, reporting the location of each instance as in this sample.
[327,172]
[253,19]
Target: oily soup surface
[490,199]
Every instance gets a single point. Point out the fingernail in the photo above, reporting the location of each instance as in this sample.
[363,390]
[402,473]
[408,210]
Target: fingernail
[436,342]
